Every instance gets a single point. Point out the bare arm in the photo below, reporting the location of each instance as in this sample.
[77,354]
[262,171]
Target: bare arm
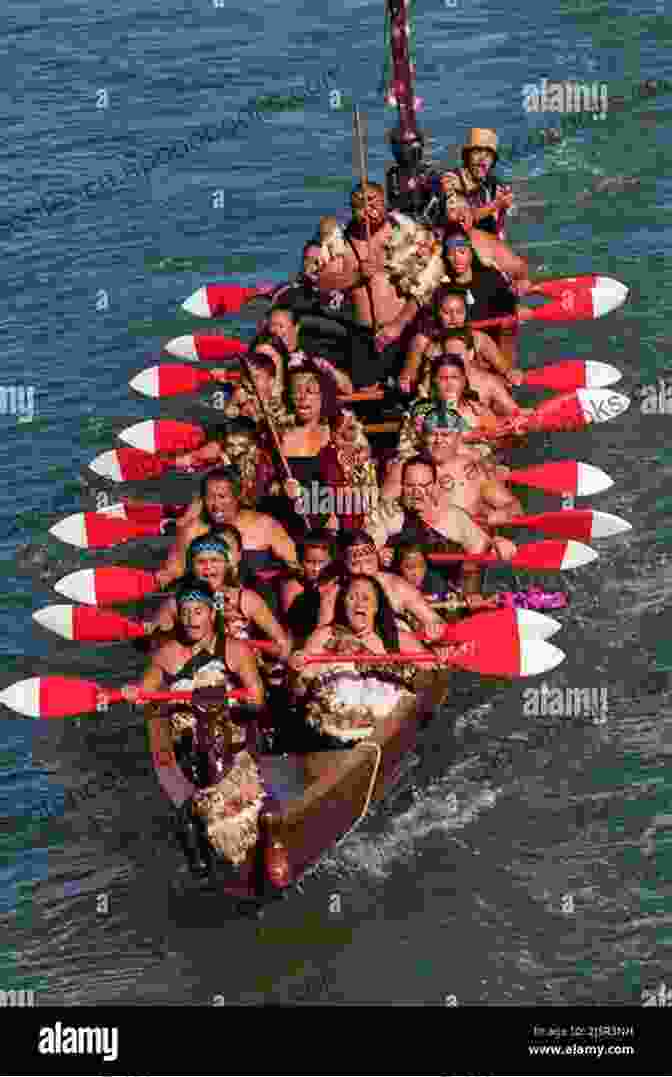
[414,603]
[244,663]
[501,401]
[488,350]
[413,360]
[504,504]
[261,615]
[341,276]
[290,590]
[281,544]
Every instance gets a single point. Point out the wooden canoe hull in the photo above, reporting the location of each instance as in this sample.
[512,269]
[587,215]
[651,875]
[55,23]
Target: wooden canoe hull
[331,789]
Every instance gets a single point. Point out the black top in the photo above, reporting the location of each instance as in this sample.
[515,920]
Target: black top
[491,292]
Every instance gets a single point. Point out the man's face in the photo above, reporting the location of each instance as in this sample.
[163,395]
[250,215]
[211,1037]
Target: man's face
[221,501]
[453,312]
[479,163]
[417,487]
[315,560]
[449,381]
[441,444]
[311,261]
[459,258]
[211,567]
[197,619]
[281,325]
[362,558]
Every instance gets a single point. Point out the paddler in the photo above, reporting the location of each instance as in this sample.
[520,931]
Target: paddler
[215,751]
[344,700]
[362,272]
[244,402]
[236,443]
[475,180]
[448,312]
[412,186]
[265,541]
[301,597]
[215,559]
[285,324]
[489,292]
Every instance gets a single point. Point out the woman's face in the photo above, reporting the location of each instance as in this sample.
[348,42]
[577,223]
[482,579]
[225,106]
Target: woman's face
[307,397]
[315,560]
[361,605]
[450,382]
[197,619]
[263,381]
[452,312]
[362,558]
[211,567]
[413,567]
[459,258]
[268,349]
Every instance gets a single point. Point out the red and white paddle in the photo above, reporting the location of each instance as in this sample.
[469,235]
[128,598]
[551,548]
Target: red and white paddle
[163,435]
[174,379]
[68,697]
[114,525]
[552,555]
[129,465]
[486,629]
[568,374]
[208,347]
[509,658]
[584,525]
[570,411]
[575,299]
[216,300]
[107,585]
[88,624]
[562,477]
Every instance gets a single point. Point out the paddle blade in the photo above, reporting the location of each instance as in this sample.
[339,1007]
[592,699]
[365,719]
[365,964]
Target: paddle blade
[581,524]
[215,300]
[553,555]
[571,374]
[491,628]
[563,477]
[170,379]
[163,435]
[204,346]
[97,530]
[511,657]
[580,298]
[86,624]
[107,585]
[51,697]
[575,411]
[128,465]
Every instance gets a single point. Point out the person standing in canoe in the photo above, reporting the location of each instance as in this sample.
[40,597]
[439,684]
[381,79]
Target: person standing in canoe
[475,180]
[265,541]
[362,272]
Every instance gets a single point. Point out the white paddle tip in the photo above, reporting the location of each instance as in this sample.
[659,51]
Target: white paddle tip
[58,619]
[146,382]
[182,348]
[197,304]
[605,525]
[535,625]
[591,480]
[72,529]
[140,436]
[79,586]
[608,295]
[107,466]
[577,554]
[600,375]
[23,697]
[537,656]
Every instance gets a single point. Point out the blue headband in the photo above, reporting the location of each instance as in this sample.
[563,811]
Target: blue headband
[208,544]
[195,596]
[456,241]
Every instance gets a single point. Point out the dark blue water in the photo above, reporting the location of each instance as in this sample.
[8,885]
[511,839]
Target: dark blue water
[530,859]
